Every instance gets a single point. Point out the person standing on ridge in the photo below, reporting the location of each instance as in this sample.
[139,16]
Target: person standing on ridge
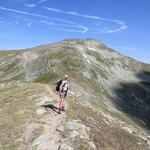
[62,87]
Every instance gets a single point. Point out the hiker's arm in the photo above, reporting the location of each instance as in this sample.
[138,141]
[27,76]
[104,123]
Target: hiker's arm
[60,89]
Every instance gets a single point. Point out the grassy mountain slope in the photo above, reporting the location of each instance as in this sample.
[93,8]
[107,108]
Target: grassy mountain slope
[109,101]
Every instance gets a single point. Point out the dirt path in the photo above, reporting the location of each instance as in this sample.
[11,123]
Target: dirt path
[50,139]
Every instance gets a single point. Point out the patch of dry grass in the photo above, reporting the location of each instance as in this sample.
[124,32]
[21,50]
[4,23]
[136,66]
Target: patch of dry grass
[103,136]
[16,109]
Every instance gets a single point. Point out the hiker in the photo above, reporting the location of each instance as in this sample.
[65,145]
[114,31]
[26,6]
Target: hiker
[62,87]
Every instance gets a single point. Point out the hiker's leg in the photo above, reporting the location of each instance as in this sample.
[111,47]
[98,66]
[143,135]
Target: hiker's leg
[61,99]
[64,101]
[60,104]
[63,104]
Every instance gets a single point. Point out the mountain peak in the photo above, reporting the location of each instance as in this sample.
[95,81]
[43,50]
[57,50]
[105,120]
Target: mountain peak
[83,41]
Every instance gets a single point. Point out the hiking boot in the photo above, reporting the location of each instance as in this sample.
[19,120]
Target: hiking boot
[63,109]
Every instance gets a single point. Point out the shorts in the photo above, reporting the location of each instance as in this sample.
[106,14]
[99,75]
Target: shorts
[63,95]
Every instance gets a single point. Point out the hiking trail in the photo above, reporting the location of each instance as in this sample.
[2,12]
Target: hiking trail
[50,139]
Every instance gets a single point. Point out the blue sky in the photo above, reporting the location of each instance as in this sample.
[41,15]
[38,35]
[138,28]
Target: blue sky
[123,25]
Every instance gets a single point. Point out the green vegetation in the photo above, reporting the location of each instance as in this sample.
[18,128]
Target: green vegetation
[18,77]
[95,71]
[96,55]
[4,53]
[81,144]
[94,74]
[101,59]
[74,64]
[78,41]
[47,78]
[9,66]
[103,135]
[66,60]
[125,117]
[17,110]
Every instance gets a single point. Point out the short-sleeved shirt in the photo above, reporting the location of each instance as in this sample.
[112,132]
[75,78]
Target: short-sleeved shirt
[64,85]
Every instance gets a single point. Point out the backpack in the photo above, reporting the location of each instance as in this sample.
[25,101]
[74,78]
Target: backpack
[58,84]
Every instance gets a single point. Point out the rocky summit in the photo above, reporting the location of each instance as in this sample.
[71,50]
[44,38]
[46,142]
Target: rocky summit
[108,106]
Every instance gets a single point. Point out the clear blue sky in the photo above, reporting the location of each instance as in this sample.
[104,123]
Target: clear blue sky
[121,24]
